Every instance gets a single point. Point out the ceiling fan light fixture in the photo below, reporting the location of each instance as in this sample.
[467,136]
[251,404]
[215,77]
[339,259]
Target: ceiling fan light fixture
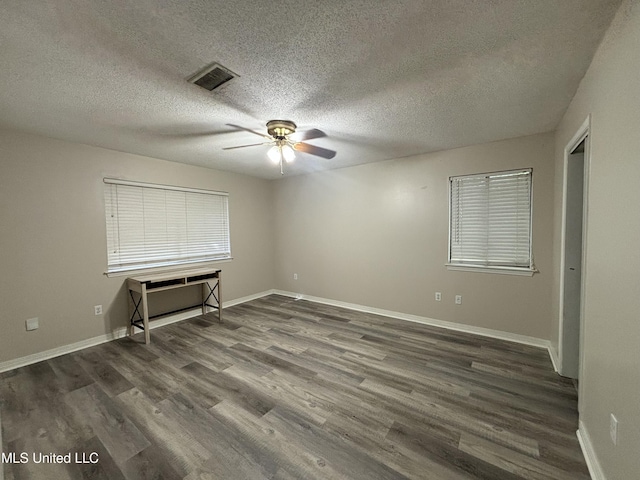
[283,147]
[274,154]
[288,153]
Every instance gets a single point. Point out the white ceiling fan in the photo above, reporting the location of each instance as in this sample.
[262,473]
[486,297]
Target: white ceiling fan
[284,143]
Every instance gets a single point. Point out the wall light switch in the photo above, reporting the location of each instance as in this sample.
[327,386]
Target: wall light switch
[32,324]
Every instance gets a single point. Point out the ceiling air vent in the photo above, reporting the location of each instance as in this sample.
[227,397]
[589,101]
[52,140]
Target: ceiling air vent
[213,77]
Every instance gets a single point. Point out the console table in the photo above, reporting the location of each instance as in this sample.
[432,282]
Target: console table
[209,278]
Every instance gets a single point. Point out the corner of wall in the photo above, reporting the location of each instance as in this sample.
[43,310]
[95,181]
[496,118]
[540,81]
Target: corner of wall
[595,470]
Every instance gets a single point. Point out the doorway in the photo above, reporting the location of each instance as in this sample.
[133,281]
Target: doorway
[573,272]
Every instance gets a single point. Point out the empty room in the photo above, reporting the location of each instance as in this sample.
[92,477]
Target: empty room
[320,240]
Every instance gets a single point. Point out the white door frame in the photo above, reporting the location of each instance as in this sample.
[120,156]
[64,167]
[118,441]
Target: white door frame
[580,135]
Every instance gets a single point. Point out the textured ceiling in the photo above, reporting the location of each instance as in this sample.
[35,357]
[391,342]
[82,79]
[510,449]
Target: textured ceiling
[383,79]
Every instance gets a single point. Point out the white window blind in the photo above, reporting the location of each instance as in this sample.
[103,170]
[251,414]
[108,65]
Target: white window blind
[490,222]
[156,225]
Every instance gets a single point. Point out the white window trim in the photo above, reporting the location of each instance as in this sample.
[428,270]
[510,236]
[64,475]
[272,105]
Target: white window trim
[522,271]
[125,271]
[168,268]
[494,269]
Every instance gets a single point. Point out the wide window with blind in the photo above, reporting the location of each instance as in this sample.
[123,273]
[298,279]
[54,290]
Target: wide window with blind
[490,222]
[152,226]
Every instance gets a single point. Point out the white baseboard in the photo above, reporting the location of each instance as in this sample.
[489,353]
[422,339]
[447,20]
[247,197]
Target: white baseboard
[56,352]
[485,332]
[554,358]
[246,299]
[115,334]
[122,331]
[589,453]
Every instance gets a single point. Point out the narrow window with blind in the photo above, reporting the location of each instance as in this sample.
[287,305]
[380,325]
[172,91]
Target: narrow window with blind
[151,226]
[490,222]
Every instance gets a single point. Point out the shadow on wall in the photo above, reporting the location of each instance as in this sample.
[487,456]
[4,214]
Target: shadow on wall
[116,315]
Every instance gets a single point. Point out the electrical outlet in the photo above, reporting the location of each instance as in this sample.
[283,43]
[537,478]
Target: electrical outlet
[295,276]
[438,296]
[32,324]
[98,309]
[458,299]
[613,429]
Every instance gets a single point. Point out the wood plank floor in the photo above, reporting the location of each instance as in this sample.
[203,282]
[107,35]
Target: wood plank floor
[288,389]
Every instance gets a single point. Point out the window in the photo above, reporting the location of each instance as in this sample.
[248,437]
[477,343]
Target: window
[157,225]
[490,222]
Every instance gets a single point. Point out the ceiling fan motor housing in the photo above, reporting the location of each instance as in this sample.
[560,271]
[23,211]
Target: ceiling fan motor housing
[280,129]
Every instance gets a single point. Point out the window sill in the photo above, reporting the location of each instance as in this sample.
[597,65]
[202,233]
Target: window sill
[527,272]
[167,268]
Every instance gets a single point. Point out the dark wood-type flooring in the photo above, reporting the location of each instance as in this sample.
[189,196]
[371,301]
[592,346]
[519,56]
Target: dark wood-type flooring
[288,389]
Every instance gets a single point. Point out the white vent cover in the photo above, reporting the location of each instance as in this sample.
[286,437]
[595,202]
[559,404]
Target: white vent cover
[213,77]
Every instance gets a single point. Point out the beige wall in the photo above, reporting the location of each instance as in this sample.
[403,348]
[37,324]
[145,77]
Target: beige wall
[374,235]
[610,92]
[53,240]
[377,235]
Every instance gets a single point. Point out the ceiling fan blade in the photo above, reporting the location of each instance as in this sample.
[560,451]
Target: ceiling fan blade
[243,146]
[309,134]
[249,130]
[313,150]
